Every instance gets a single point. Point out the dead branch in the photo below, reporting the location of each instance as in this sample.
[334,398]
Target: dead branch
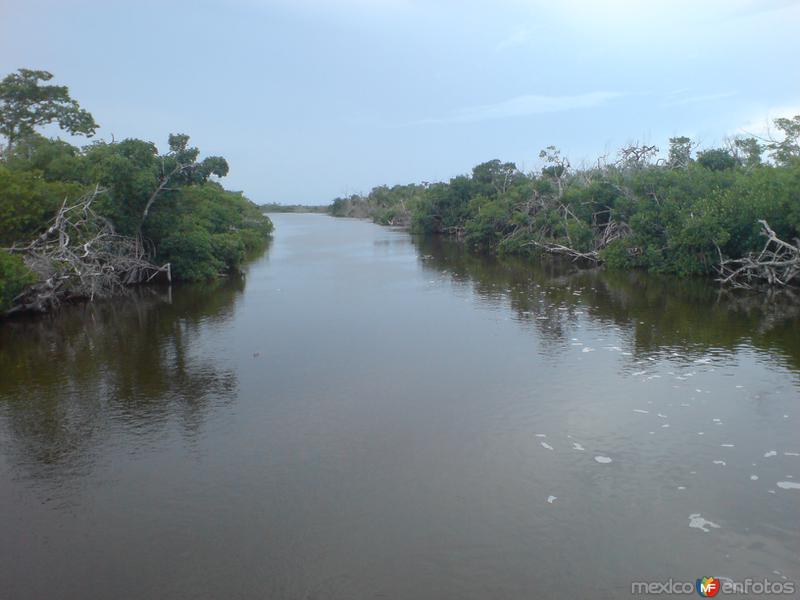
[778,263]
[81,256]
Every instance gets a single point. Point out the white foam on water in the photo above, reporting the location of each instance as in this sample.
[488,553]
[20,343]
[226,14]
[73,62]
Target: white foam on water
[546,445]
[639,410]
[703,361]
[771,491]
[693,472]
[717,420]
[577,446]
[681,487]
[587,349]
[701,433]
[738,387]
[698,522]
[551,499]
[685,404]
[663,416]
[665,425]
[720,462]
[770,454]
[753,477]
[541,435]
[651,432]
[698,391]
[638,373]
[791,453]
[727,445]
[788,485]
[603,459]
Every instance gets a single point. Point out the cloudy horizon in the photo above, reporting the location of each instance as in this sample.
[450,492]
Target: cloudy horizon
[311,99]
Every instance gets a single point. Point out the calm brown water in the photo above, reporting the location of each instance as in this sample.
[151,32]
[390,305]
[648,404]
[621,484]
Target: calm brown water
[366,415]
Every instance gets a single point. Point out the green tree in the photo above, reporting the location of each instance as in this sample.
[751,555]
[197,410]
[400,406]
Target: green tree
[786,150]
[748,151]
[680,152]
[26,104]
[716,159]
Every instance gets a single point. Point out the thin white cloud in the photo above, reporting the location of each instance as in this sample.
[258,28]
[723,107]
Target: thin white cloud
[523,106]
[761,125]
[680,99]
[518,37]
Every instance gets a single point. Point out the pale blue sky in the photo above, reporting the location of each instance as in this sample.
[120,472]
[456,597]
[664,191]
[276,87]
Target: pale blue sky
[310,99]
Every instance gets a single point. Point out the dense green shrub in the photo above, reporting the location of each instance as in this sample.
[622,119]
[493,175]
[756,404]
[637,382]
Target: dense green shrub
[14,277]
[28,202]
[675,215]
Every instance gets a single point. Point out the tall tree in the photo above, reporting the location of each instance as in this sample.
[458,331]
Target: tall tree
[25,104]
[786,150]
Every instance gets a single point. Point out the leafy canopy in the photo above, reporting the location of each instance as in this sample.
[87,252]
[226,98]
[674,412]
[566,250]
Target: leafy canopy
[26,104]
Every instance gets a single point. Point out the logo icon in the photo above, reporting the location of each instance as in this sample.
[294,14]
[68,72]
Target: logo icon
[707,587]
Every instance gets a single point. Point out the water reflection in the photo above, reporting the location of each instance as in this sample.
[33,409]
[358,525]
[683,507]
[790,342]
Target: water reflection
[373,419]
[71,380]
[661,314]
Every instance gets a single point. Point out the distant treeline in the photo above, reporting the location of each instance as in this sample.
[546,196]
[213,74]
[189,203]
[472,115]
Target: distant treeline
[275,207]
[87,222]
[707,212]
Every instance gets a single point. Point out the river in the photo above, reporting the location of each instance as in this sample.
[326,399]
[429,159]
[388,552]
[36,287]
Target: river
[364,414]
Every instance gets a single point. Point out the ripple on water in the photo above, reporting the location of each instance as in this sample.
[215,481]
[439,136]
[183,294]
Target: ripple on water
[788,485]
[698,522]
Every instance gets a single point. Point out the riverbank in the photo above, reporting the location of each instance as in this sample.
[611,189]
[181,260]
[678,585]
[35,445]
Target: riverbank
[729,213]
[89,222]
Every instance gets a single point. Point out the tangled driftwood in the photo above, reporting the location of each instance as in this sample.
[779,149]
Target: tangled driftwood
[81,256]
[778,263]
[603,233]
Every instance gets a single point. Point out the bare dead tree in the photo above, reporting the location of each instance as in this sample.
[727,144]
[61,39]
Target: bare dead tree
[778,263]
[602,236]
[81,256]
[636,156]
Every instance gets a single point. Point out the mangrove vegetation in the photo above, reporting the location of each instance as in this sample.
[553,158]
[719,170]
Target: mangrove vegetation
[731,212]
[86,222]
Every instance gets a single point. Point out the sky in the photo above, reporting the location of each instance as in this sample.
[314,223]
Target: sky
[313,99]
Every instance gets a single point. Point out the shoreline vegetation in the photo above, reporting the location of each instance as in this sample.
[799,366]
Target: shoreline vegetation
[84,223]
[275,207]
[732,213]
